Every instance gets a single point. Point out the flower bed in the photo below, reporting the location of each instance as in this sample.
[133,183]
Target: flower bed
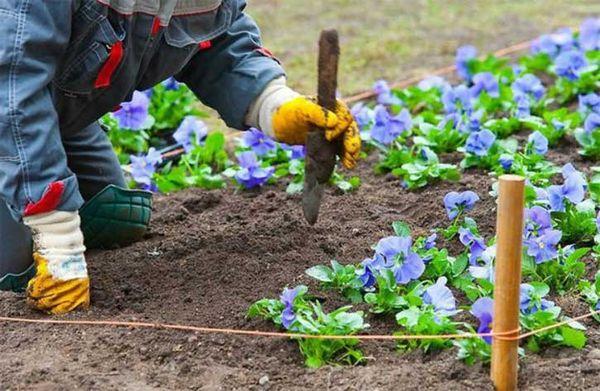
[436,150]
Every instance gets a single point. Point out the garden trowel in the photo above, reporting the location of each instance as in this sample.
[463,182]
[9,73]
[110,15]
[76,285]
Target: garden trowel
[320,153]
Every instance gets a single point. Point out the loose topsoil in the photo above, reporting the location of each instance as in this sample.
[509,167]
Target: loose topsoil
[210,254]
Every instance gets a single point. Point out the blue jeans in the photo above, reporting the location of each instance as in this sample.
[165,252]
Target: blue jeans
[91,158]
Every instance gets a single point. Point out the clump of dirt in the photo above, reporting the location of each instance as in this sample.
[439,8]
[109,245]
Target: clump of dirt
[210,254]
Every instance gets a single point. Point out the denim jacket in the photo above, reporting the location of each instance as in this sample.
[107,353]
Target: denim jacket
[65,63]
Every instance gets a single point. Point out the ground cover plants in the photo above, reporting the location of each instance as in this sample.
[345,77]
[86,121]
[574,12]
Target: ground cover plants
[502,117]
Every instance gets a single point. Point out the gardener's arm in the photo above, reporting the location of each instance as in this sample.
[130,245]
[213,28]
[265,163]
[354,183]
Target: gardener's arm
[34,178]
[241,80]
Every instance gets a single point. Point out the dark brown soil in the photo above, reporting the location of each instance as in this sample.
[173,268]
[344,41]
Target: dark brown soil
[209,255]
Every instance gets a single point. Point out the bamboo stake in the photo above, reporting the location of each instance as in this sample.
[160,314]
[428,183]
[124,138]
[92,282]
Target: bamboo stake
[504,370]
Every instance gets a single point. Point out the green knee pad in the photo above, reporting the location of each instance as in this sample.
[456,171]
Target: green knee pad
[115,217]
[17,282]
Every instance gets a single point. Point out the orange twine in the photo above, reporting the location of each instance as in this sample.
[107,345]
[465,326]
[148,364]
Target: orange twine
[512,335]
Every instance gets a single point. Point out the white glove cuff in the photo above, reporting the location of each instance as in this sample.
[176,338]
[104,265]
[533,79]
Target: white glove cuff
[58,238]
[260,113]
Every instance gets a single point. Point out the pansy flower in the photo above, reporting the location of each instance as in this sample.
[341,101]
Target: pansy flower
[259,142]
[387,128]
[483,309]
[464,54]
[475,244]
[144,167]
[133,114]
[433,82]
[398,255]
[589,34]
[457,99]
[455,203]
[191,131]
[528,85]
[589,103]
[538,143]
[529,304]
[543,247]
[287,298]
[251,174]
[592,122]
[478,143]
[485,81]
[440,297]
[570,64]
[384,93]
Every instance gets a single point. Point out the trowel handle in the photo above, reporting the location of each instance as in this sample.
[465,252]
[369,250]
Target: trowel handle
[329,55]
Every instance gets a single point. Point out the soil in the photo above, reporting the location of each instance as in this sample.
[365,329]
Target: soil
[210,254]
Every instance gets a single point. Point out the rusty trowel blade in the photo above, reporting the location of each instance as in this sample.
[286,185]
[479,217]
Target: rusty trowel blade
[321,153]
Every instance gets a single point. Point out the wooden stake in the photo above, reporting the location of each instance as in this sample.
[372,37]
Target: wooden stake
[509,229]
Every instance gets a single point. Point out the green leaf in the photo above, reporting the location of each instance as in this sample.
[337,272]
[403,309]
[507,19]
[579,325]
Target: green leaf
[573,338]
[320,273]
[401,228]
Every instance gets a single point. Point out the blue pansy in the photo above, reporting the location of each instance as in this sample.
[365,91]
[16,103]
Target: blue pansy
[543,247]
[570,64]
[485,81]
[251,174]
[592,122]
[529,304]
[433,82]
[455,203]
[478,143]
[170,84]
[144,167]
[398,256]
[589,34]
[457,99]
[259,142]
[483,309]
[387,128]
[191,131]
[464,54]
[528,85]
[133,114]
[538,143]
[385,96]
[287,298]
[589,103]
[475,244]
[440,297]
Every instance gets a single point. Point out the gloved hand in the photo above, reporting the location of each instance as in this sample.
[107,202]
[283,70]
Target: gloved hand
[287,116]
[295,118]
[61,282]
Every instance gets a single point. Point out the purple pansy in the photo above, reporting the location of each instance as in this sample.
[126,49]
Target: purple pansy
[295,151]
[133,114]
[430,242]
[363,115]
[475,244]
[455,203]
[387,127]
[440,297]
[144,167]
[251,174]
[398,255]
[170,84]
[484,271]
[538,143]
[589,103]
[287,298]
[537,219]
[592,122]
[483,309]
[485,81]
[528,85]
[573,189]
[506,161]
[478,143]
[570,64]
[589,34]
[385,96]
[457,99]
[464,54]
[543,247]
[433,82]
[529,306]
[552,44]
[523,106]
[191,132]
[259,142]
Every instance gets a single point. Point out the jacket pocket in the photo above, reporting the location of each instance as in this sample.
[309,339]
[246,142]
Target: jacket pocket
[193,29]
[88,56]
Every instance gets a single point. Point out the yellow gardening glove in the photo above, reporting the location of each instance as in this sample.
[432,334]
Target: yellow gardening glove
[48,294]
[61,282]
[294,119]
